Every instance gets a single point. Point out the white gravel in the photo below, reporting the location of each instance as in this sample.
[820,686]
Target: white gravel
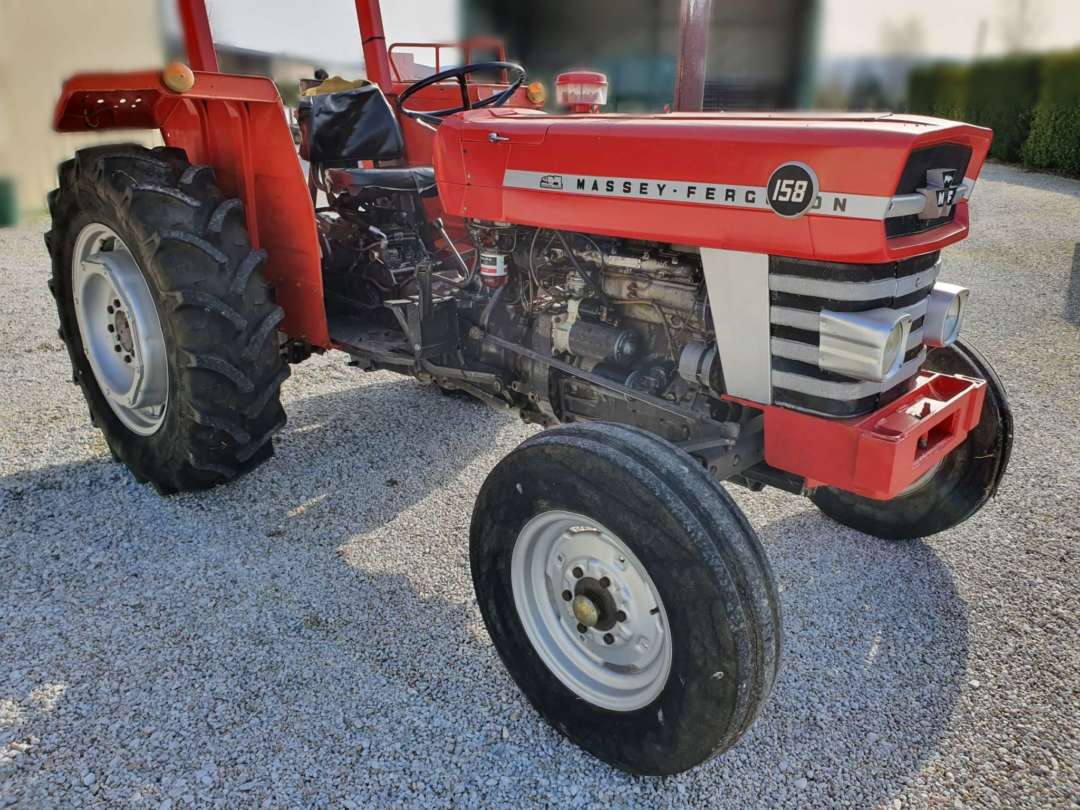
[308,636]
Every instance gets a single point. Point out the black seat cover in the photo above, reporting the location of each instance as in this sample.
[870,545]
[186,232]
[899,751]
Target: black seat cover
[418,179]
[349,126]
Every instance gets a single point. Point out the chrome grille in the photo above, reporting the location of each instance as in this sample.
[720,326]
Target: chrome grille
[799,290]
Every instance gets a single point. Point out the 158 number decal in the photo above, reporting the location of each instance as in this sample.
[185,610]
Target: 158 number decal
[792,189]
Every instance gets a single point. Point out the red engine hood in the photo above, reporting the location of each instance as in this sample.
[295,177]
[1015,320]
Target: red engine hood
[698,179]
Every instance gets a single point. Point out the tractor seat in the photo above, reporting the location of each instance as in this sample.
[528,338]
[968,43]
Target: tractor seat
[417,179]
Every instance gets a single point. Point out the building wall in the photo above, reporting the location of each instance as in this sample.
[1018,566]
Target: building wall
[41,43]
[756,54]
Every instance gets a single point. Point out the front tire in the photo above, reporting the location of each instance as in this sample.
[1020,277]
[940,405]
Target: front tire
[668,644]
[170,327]
[959,486]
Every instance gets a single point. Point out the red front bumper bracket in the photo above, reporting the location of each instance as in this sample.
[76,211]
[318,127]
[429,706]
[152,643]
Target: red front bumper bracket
[881,454]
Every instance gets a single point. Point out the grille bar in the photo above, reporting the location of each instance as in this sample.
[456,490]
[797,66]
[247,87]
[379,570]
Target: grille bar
[800,290]
[853,290]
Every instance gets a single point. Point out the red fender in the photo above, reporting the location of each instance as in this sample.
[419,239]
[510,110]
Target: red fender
[237,125]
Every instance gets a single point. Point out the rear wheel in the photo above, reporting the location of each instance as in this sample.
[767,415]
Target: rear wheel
[958,486]
[170,327]
[626,594]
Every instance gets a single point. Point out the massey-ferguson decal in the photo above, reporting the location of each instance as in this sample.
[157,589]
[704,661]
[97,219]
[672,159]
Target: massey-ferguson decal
[792,191]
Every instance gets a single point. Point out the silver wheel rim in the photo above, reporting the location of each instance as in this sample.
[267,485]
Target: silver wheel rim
[120,328]
[921,481]
[621,661]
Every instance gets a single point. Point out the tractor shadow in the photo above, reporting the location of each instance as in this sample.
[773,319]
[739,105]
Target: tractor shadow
[875,653]
[1072,294]
[335,580]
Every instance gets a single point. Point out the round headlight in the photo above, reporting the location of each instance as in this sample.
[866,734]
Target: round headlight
[893,355]
[952,319]
[944,314]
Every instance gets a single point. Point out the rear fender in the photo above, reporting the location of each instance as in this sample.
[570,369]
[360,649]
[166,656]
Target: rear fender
[237,125]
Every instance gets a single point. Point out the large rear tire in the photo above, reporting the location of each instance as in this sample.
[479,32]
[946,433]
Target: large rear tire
[959,486]
[170,327]
[626,594]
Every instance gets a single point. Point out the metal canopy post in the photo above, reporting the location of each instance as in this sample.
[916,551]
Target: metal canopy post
[373,39]
[694,19]
[198,38]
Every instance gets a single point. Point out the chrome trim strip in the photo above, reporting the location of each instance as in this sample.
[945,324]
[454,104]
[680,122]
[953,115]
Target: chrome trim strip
[794,350]
[694,192]
[809,319]
[701,192]
[853,290]
[904,205]
[828,389]
[808,352]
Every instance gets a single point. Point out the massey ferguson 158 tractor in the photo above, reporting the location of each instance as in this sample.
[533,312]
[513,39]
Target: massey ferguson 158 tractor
[693,297]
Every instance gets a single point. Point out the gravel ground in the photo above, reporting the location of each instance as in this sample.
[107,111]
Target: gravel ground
[308,635]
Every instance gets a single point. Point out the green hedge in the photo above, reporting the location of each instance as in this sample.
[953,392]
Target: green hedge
[1032,103]
[1001,95]
[1054,142]
[939,90]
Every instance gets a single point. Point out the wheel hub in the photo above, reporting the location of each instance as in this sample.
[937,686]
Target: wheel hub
[122,329]
[591,611]
[597,595]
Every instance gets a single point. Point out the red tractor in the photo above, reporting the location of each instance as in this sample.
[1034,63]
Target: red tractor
[693,297]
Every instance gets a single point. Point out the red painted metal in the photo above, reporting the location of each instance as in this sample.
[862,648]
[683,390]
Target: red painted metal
[881,454]
[468,50]
[198,37]
[851,154]
[373,40]
[237,125]
[694,20]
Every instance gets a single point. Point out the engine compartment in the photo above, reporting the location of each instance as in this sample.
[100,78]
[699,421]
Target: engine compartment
[804,283]
[625,315]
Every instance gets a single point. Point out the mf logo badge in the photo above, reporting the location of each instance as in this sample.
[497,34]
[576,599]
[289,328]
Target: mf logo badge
[792,190]
[939,192]
[553,181]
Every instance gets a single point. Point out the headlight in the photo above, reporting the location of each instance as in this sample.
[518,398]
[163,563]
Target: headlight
[894,349]
[944,314]
[864,345]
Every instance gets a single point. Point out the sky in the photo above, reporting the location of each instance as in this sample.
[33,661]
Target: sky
[327,28]
[947,27]
[847,27]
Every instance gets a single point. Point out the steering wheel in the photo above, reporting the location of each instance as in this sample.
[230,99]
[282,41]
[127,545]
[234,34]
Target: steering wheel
[432,118]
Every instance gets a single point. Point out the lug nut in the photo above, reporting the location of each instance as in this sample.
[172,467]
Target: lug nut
[620,616]
[567,596]
[116,303]
[582,628]
[608,638]
[116,348]
[109,309]
[578,573]
[111,328]
[127,358]
[605,582]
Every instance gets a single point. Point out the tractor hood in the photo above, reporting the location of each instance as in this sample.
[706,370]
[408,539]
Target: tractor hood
[839,187]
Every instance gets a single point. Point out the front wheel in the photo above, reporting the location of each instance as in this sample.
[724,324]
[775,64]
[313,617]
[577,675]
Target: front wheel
[958,486]
[627,595]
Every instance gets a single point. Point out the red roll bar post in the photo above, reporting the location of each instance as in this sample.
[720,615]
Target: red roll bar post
[694,20]
[373,40]
[198,39]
